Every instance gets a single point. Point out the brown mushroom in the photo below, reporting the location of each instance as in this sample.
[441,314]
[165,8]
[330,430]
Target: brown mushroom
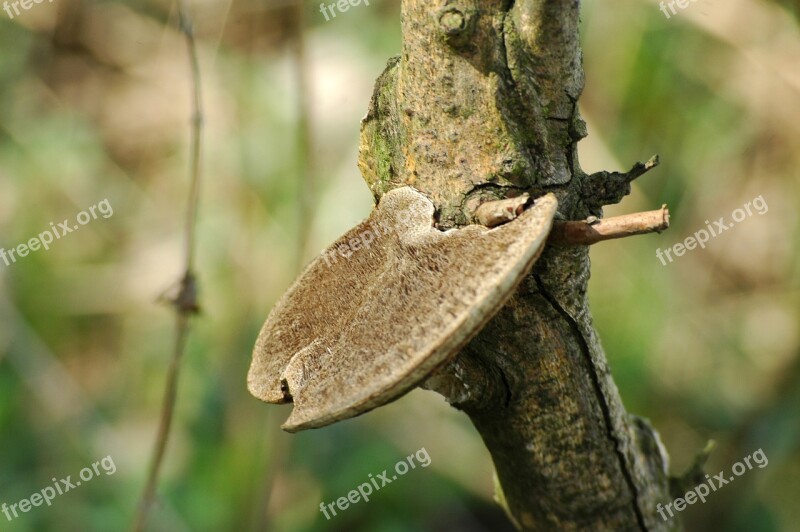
[387,304]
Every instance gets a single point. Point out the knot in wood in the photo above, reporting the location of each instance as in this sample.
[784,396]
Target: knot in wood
[455,24]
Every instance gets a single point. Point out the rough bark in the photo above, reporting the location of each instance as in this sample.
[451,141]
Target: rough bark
[482,105]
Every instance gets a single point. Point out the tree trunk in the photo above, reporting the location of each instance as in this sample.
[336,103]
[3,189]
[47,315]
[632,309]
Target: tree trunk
[482,104]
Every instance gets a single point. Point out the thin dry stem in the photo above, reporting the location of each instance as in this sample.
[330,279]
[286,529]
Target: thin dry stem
[493,213]
[170,394]
[588,232]
[185,303]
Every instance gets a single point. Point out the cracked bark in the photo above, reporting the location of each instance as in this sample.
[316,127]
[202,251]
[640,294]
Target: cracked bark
[482,105]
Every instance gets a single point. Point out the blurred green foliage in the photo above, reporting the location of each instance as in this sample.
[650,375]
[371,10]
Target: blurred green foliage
[94,104]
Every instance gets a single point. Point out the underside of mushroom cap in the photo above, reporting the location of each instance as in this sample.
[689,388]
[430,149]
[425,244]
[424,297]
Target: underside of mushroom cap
[385,305]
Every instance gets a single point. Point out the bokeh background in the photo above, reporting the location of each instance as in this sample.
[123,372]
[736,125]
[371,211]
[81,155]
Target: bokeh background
[95,104]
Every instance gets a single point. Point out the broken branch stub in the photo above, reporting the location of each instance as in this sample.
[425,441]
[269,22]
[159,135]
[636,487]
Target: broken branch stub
[384,306]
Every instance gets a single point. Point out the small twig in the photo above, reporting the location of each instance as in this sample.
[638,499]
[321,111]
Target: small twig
[606,188]
[185,303]
[493,213]
[693,476]
[588,232]
[168,407]
[577,233]
[197,125]
[640,169]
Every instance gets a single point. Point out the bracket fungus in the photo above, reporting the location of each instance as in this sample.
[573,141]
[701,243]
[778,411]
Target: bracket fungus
[386,305]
